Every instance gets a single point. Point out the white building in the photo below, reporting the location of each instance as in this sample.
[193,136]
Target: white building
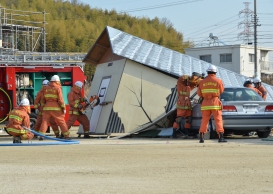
[237,58]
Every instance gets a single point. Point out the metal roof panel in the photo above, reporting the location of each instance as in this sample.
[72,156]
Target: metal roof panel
[167,60]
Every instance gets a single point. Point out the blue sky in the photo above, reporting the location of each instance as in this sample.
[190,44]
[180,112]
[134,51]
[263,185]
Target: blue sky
[195,19]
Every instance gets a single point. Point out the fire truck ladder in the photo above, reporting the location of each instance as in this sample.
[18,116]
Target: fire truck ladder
[23,59]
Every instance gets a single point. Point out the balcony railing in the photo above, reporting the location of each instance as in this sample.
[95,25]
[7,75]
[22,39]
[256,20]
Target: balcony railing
[266,65]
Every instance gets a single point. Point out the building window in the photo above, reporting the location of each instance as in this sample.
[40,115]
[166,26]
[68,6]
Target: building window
[251,58]
[206,58]
[225,58]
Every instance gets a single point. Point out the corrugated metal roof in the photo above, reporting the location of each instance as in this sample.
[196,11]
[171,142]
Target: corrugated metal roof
[167,60]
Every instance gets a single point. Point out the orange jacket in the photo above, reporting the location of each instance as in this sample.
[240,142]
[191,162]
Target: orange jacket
[255,89]
[74,99]
[263,91]
[53,97]
[18,117]
[183,92]
[37,102]
[210,89]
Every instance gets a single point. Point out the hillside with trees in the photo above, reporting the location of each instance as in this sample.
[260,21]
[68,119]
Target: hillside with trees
[72,26]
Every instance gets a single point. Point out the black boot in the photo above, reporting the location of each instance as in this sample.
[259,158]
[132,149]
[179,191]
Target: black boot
[67,138]
[174,133]
[221,138]
[201,137]
[16,139]
[86,135]
[186,130]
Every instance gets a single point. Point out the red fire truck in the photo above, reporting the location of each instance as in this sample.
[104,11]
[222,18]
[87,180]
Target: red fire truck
[17,82]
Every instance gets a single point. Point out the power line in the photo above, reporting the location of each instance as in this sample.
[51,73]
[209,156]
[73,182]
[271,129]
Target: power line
[159,6]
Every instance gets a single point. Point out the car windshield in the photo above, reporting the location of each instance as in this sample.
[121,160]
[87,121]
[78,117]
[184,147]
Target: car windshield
[240,94]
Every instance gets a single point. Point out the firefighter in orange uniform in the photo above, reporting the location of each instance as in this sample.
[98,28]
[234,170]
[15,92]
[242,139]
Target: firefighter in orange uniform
[248,84]
[19,117]
[54,107]
[74,99]
[185,84]
[39,108]
[210,89]
[258,85]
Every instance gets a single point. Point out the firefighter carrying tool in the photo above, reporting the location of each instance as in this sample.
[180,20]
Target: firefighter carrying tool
[77,106]
[210,89]
[19,117]
[39,111]
[185,84]
[54,107]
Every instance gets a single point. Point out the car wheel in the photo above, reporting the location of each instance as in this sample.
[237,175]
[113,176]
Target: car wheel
[263,134]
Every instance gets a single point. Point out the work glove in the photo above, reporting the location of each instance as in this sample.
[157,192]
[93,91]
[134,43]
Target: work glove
[85,99]
[37,111]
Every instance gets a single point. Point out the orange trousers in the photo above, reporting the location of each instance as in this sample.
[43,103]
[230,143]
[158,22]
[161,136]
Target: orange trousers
[52,122]
[185,114]
[217,114]
[27,136]
[82,119]
[56,115]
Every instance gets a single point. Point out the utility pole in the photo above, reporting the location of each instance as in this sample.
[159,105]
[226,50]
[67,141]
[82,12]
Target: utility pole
[255,40]
[44,31]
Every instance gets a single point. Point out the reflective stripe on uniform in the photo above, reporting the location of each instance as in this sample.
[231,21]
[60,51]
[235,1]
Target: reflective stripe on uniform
[66,133]
[56,132]
[210,91]
[51,96]
[183,107]
[24,136]
[36,106]
[74,112]
[76,103]
[16,130]
[211,107]
[16,117]
[52,108]
[183,93]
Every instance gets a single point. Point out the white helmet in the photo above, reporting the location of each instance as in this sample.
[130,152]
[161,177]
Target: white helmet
[55,78]
[45,82]
[24,102]
[212,68]
[256,80]
[79,84]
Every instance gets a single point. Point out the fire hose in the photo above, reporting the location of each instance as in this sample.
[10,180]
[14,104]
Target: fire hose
[58,141]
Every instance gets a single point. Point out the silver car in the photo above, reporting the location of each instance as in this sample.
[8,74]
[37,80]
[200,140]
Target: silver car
[244,111]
